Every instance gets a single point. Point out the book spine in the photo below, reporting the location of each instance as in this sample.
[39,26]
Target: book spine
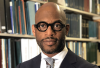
[13,60]
[24,15]
[86,5]
[14,16]
[22,18]
[18,51]
[9,53]
[0,54]
[87,29]
[99,7]
[98,30]
[24,49]
[3,54]
[2,14]
[82,28]
[8,17]
[19,12]
[11,14]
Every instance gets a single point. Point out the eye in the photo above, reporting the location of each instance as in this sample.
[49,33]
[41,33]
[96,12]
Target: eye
[41,25]
[57,25]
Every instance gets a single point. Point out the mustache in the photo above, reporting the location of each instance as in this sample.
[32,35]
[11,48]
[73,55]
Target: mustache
[49,38]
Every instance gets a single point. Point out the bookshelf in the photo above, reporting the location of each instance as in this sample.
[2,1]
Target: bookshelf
[67,10]
[5,35]
[82,39]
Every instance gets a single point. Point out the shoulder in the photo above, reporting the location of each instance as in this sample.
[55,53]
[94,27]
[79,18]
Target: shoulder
[78,62]
[30,63]
[81,63]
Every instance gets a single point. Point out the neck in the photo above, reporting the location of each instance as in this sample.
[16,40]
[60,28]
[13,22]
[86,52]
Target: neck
[50,55]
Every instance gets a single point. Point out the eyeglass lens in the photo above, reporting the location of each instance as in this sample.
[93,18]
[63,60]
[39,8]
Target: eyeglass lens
[44,26]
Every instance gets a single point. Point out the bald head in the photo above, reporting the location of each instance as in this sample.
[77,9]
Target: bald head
[50,11]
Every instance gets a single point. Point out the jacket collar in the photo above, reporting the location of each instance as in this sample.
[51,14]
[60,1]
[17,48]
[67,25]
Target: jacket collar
[37,61]
[69,60]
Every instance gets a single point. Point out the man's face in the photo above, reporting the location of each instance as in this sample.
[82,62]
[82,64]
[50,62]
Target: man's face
[49,41]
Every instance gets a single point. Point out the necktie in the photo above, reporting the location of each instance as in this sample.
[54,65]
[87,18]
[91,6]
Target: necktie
[50,62]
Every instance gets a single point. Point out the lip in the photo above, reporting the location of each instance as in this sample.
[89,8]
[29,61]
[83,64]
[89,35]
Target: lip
[49,41]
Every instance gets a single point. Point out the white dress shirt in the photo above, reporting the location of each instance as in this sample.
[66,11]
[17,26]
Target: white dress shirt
[60,56]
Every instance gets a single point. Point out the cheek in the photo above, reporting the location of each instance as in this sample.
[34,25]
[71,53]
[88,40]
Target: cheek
[39,35]
[61,34]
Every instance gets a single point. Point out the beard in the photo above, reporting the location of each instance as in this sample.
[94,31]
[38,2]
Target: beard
[59,46]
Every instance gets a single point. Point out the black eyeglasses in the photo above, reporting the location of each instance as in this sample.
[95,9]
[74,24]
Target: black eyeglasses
[43,26]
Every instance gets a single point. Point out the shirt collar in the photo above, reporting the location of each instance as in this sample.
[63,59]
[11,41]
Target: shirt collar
[59,56]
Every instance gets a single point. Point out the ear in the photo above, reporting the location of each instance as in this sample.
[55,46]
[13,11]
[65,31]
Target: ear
[33,30]
[67,29]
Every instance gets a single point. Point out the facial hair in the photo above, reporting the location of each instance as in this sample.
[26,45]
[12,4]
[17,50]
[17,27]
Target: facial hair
[59,48]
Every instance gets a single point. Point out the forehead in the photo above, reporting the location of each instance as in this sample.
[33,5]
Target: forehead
[47,14]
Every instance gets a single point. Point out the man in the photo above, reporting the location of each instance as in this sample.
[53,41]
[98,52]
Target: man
[50,29]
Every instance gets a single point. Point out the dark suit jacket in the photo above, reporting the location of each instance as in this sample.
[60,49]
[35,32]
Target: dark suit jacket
[71,60]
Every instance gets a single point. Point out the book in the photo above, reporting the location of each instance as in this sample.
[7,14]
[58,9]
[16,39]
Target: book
[23,8]
[87,29]
[98,55]
[14,17]
[16,14]
[80,49]
[94,6]
[66,3]
[3,53]
[6,52]
[19,17]
[23,24]
[91,29]
[24,50]
[86,5]
[2,16]
[13,58]
[98,30]
[84,50]
[11,14]
[34,49]
[98,7]
[31,15]
[18,54]
[11,53]
[83,28]
[68,22]
[96,18]
[0,54]
[37,6]
[7,16]
[93,52]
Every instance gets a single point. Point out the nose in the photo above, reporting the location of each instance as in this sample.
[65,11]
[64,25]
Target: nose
[50,31]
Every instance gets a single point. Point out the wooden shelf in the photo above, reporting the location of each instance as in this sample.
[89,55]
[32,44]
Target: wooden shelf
[79,11]
[38,1]
[5,35]
[82,39]
[68,9]
[98,64]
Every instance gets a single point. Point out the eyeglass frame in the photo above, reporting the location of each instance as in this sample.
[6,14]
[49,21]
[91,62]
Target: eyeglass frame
[52,25]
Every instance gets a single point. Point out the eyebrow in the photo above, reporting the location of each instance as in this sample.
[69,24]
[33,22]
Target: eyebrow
[53,22]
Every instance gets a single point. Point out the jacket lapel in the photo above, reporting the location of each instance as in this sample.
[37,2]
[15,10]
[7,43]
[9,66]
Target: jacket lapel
[37,61]
[69,60]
